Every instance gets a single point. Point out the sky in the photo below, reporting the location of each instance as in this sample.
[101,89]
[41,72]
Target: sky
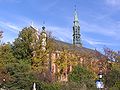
[99,20]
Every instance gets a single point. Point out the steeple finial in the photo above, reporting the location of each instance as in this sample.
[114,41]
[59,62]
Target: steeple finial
[32,23]
[43,27]
[43,23]
[75,14]
[75,7]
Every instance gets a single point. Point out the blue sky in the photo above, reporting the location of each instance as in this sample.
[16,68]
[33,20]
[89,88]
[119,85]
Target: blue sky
[99,20]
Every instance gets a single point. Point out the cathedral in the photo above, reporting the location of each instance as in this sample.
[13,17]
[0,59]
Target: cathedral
[83,56]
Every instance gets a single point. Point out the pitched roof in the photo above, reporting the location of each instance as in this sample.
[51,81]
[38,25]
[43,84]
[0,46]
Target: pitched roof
[80,50]
[72,47]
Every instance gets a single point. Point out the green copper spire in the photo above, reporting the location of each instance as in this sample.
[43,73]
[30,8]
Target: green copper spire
[75,16]
[76,30]
[76,20]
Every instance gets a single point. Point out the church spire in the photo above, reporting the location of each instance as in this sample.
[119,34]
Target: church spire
[75,15]
[76,30]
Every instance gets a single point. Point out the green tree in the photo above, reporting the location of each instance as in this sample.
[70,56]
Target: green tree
[15,66]
[6,58]
[6,54]
[112,78]
[21,75]
[82,76]
[23,46]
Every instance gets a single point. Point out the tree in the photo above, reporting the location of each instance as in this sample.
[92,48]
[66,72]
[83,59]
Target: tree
[82,76]
[42,58]
[112,76]
[6,59]
[62,62]
[113,56]
[6,54]
[15,61]
[1,34]
[112,79]
[24,44]
[21,75]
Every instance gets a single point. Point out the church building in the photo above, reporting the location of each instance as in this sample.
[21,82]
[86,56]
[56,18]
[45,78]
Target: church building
[74,54]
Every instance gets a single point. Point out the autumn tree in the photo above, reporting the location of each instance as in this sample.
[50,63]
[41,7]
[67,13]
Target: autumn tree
[112,77]
[42,57]
[112,55]
[1,32]
[65,61]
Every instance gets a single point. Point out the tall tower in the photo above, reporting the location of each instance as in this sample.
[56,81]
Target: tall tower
[76,30]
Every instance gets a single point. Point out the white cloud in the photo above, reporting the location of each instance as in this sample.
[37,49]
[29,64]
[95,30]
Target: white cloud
[63,34]
[12,27]
[94,28]
[91,42]
[95,42]
[9,26]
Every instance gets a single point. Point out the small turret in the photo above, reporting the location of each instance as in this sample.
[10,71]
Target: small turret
[44,38]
